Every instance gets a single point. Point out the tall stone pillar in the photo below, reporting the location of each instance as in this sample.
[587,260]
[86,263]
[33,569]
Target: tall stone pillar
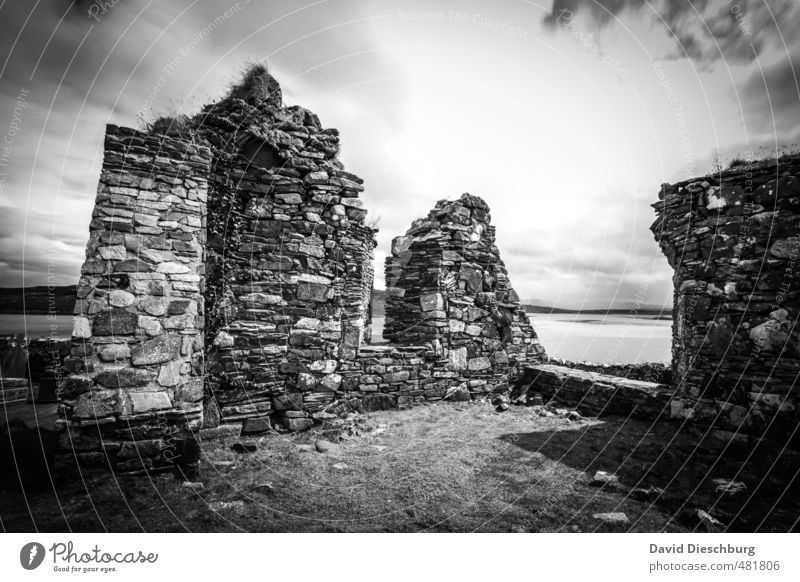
[448,288]
[135,393]
[733,239]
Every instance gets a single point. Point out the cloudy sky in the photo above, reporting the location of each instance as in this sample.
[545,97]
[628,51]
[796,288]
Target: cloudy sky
[565,115]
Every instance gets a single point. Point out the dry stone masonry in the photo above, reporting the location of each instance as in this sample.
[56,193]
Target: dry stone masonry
[290,258]
[136,386]
[229,276]
[733,239]
[228,279]
[447,287]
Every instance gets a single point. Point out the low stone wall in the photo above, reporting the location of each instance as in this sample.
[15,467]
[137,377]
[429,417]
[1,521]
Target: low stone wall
[733,241]
[595,394]
[379,378]
[134,394]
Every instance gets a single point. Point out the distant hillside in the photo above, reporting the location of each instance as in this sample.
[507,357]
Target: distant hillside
[644,310]
[379,303]
[38,300]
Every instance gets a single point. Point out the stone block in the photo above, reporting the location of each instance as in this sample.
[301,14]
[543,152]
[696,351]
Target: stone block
[115,321]
[156,351]
[148,401]
[123,377]
[431,302]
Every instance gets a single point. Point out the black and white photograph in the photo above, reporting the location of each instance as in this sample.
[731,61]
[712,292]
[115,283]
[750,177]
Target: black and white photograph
[281,268]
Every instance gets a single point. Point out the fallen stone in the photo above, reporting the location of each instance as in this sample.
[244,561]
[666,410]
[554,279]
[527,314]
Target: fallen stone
[726,487]
[306,448]
[703,521]
[612,518]
[324,416]
[341,466]
[458,393]
[193,485]
[603,478]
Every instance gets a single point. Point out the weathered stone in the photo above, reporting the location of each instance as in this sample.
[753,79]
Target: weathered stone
[95,404]
[123,377]
[152,306]
[478,364]
[190,391]
[431,302]
[81,328]
[115,322]
[331,382]
[150,325]
[117,298]
[258,425]
[114,352]
[170,373]
[612,518]
[156,351]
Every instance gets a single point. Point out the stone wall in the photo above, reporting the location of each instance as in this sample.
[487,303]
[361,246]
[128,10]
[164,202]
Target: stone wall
[594,394]
[733,240]
[135,389]
[228,280]
[290,257]
[447,287]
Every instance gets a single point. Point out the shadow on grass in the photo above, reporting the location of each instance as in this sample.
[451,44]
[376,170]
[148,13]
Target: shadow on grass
[684,462]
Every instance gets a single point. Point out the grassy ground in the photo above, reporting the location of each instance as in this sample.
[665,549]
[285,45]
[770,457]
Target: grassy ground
[438,467]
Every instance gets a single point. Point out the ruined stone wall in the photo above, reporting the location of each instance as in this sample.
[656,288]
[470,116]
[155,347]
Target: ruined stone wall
[135,388]
[290,257]
[229,278]
[447,287]
[733,239]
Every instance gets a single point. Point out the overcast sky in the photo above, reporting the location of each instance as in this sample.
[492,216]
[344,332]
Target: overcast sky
[564,115]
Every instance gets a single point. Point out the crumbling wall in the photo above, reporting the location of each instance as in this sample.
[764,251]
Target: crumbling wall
[134,394]
[447,287]
[733,239]
[265,324]
[290,257]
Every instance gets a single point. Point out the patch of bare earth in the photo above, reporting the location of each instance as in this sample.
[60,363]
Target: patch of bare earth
[436,467]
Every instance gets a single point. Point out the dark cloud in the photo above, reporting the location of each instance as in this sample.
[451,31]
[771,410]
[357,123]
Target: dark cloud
[771,100]
[704,30]
[81,68]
